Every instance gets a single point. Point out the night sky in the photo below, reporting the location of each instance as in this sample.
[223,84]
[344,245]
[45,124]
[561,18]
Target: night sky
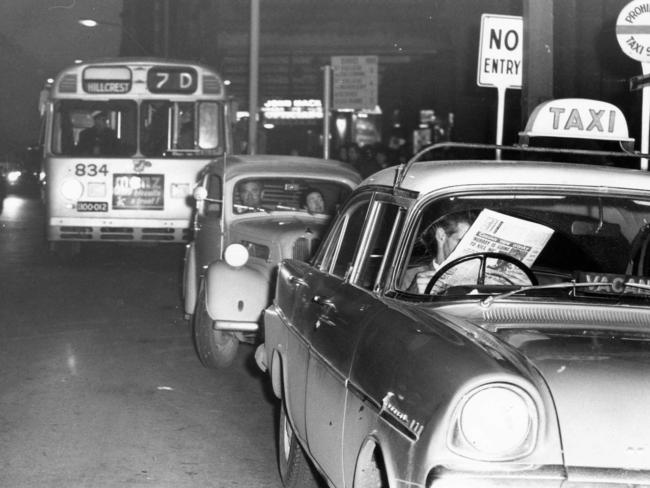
[37,39]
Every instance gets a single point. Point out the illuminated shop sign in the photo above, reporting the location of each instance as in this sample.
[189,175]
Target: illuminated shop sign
[302,109]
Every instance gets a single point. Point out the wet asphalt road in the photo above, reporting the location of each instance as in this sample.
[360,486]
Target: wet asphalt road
[99,382]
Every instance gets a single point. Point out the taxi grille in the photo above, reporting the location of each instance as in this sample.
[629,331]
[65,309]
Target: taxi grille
[304,248]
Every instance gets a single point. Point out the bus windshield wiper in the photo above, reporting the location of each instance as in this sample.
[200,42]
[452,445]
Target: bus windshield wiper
[573,285]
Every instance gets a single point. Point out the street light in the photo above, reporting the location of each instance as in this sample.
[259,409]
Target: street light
[91,23]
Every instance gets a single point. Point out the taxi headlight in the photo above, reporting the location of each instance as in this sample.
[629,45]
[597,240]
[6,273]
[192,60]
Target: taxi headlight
[236,255]
[72,189]
[494,423]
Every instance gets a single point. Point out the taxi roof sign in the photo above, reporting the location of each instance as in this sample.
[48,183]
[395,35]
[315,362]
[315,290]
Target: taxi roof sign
[577,118]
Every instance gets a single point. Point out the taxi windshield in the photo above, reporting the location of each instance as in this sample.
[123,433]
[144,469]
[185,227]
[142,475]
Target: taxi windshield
[523,239]
[305,195]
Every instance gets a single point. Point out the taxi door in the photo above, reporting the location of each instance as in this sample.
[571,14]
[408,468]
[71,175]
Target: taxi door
[301,293]
[344,304]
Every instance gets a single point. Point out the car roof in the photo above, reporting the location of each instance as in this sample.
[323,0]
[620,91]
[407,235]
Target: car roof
[427,176]
[272,165]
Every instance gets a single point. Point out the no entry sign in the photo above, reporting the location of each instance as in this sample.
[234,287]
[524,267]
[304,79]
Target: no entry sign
[500,58]
[500,51]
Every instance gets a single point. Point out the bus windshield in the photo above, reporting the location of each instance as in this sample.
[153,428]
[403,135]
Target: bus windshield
[124,128]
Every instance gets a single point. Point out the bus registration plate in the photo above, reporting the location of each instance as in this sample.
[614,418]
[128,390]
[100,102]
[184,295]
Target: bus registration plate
[92,206]
[138,192]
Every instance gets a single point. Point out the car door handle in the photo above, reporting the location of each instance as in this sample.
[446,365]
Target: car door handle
[294,280]
[324,302]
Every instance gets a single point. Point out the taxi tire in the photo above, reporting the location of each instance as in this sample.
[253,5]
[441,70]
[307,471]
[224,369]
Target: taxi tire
[295,469]
[215,348]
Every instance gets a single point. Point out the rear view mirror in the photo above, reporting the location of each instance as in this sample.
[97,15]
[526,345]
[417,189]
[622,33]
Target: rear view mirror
[589,228]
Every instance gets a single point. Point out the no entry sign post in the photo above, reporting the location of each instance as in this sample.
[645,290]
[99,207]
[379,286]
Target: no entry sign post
[500,58]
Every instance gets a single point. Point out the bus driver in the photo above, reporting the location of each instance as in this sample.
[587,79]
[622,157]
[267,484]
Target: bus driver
[98,140]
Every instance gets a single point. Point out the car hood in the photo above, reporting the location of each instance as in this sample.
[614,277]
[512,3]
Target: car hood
[596,363]
[600,384]
[273,227]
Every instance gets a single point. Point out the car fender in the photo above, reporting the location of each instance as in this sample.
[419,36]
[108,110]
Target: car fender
[190,284]
[237,294]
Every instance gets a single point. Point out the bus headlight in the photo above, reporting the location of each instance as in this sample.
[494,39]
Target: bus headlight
[72,189]
[495,422]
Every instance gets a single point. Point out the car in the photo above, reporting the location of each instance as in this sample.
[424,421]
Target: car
[524,358]
[250,214]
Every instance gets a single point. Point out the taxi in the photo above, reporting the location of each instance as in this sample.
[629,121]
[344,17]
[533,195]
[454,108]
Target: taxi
[252,212]
[474,322]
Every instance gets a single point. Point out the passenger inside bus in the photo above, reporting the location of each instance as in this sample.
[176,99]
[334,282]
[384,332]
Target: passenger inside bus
[98,140]
[186,133]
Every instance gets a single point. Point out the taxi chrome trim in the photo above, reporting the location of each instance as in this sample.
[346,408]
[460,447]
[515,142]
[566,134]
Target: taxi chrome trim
[514,475]
[404,169]
[239,326]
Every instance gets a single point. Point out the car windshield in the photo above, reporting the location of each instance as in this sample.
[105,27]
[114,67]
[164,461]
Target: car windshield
[305,195]
[547,238]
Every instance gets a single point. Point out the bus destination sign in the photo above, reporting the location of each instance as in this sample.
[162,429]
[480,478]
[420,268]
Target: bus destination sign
[172,80]
[110,79]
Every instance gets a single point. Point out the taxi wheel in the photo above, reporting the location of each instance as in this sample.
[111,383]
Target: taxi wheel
[295,469]
[215,348]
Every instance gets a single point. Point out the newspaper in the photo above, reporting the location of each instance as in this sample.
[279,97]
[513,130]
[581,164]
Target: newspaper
[496,232]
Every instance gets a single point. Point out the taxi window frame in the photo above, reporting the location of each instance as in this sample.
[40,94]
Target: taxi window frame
[374,198]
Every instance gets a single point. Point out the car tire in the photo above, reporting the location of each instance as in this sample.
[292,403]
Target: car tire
[215,348]
[295,469]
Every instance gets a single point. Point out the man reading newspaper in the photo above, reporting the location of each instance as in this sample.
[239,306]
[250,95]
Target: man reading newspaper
[490,232]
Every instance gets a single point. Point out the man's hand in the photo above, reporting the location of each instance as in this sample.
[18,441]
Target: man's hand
[422,279]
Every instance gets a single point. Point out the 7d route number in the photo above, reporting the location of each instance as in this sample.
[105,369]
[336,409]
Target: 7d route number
[91,169]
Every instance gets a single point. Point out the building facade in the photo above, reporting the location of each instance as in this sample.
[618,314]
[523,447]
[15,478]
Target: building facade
[427,56]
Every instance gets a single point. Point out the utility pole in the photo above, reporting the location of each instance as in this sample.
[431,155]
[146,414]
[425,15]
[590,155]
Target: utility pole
[538,60]
[253,81]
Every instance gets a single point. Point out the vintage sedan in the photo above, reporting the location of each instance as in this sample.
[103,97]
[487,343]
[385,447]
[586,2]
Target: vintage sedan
[523,360]
[251,212]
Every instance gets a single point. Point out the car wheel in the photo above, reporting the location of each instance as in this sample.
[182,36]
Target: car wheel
[215,348]
[295,469]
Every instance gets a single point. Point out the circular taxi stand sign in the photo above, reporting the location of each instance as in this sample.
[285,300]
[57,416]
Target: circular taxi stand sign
[633,30]
[633,35]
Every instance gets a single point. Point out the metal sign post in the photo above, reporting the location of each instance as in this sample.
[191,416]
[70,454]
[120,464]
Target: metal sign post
[633,35]
[327,108]
[500,58]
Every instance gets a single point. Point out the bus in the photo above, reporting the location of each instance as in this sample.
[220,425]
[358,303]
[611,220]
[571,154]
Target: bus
[123,141]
